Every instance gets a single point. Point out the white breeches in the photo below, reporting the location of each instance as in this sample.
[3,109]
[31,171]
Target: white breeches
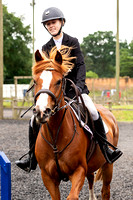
[93,111]
[90,106]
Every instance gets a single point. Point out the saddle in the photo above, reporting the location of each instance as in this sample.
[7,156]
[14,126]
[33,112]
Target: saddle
[84,118]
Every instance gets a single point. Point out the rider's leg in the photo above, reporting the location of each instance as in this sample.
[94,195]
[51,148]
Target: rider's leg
[30,163]
[109,154]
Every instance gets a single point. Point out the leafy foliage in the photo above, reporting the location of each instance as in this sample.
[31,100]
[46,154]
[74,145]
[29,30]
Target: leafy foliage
[17,56]
[99,52]
[126,61]
[91,74]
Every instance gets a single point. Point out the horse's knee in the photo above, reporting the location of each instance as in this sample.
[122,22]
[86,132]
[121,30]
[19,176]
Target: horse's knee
[72,198]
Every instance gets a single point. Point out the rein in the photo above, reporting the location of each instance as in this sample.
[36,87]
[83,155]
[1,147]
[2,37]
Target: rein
[56,109]
[53,145]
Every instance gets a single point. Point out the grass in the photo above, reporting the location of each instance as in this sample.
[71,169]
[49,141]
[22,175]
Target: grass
[121,114]
[7,103]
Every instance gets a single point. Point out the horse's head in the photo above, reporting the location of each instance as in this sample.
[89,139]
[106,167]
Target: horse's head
[48,74]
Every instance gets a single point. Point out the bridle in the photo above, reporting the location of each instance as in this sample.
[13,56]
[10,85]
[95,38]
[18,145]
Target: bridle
[47,91]
[57,100]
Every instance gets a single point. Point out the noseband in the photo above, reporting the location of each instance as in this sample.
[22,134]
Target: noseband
[45,91]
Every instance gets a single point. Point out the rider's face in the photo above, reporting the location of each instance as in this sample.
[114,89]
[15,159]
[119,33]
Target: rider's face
[53,26]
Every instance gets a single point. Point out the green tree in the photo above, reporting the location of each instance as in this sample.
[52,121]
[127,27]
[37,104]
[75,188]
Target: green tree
[17,40]
[90,74]
[99,52]
[126,61]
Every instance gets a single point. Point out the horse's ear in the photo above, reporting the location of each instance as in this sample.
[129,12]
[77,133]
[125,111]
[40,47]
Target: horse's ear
[38,56]
[58,57]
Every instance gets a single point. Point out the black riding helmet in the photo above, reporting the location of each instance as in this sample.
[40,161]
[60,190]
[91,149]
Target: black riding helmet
[53,13]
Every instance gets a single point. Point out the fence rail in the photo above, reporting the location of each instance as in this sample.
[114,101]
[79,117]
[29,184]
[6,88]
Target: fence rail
[16,111]
[5,169]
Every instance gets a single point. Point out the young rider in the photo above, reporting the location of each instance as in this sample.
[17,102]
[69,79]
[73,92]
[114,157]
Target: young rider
[53,20]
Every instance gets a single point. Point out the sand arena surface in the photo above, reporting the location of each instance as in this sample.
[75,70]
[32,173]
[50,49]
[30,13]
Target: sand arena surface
[29,186]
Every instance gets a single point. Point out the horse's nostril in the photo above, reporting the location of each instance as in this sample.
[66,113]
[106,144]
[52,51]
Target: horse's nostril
[47,111]
[34,111]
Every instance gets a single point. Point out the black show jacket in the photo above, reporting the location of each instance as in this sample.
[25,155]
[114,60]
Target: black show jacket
[78,73]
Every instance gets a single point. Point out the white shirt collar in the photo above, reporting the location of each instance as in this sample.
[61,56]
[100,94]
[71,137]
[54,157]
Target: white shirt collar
[58,42]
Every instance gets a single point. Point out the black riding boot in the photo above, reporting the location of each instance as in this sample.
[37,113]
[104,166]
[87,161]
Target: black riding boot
[109,154]
[30,163]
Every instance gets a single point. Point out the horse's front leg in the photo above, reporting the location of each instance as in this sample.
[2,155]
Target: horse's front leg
[77,179]
[51,185]
[107,172]
[90,178]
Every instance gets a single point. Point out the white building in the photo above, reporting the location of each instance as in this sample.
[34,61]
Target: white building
[9,90]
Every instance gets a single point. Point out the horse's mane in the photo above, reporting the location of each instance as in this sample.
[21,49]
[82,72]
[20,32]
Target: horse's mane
[49,62]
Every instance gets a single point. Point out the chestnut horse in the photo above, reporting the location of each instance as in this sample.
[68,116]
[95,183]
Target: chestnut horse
[62,144]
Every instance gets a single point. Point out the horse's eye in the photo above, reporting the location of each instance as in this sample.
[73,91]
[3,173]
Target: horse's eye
[58,82]
[34,82]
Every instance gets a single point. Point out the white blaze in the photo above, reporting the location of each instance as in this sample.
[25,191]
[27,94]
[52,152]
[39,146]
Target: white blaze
[92,195]
[42,100]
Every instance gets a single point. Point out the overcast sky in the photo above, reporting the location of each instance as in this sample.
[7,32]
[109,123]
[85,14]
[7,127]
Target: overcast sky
[82,17]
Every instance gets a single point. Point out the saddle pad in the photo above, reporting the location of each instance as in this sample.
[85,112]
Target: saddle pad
[89,126]
[93,142]
[85,126]
[73,105]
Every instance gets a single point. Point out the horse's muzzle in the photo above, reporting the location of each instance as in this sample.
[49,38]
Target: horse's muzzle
[43,116]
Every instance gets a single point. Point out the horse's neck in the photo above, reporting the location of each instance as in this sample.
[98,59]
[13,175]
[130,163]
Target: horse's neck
[57,119]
